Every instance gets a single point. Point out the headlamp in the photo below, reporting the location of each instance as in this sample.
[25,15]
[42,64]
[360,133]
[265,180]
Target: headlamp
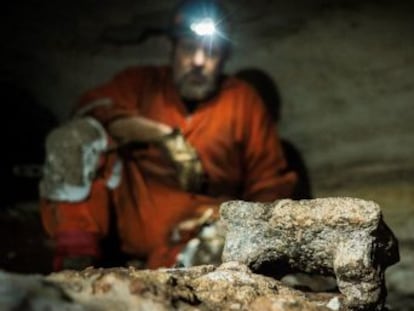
[205,27]
[204,20]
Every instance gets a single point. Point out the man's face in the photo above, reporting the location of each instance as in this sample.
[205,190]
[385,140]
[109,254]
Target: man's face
[196,68]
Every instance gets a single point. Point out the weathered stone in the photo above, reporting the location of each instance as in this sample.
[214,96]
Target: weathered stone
[344,237]
[231,286]
[33,293]
[285,303]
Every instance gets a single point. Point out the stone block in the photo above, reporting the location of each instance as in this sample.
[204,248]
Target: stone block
[342,237]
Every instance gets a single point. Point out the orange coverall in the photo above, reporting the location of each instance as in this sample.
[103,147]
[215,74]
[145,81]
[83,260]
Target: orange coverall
[235,140]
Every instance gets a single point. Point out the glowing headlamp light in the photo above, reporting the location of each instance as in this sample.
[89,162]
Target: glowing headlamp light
[205,27]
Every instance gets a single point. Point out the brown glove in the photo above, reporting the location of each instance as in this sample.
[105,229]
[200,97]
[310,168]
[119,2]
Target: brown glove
[184,157]
[190,173]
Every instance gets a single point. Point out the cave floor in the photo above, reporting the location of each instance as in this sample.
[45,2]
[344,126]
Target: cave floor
[26,249]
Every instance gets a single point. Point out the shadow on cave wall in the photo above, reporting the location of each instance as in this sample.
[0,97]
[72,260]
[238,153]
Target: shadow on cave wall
[269,92]
[24,127]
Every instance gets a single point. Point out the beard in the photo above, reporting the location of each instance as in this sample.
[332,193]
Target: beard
[195,85]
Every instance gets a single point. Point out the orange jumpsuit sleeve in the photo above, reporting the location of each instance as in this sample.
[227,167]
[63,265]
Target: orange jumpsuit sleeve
[120,97]
[112,100]
[266,177]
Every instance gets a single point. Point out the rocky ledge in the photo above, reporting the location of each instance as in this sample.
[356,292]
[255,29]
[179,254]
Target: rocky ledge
[341,237]
[231,286]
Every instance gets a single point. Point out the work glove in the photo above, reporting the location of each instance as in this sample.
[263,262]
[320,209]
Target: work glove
[203,239]
[190,174]
[194,241]
[205,248]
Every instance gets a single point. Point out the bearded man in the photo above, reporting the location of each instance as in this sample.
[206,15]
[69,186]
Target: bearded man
[159,148]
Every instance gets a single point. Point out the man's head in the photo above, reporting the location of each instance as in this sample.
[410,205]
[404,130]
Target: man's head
[199,32]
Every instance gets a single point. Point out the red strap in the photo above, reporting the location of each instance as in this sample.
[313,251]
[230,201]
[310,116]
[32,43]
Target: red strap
[73,244]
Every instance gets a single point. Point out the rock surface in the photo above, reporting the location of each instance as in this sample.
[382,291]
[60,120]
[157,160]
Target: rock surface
[344,237]
[231,286]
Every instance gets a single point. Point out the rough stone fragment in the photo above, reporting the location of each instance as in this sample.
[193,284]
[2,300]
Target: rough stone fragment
[33,293]
[285,303]
[343,237]
[231,286]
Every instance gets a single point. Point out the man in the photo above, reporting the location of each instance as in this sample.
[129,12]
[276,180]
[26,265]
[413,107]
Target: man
[161,148]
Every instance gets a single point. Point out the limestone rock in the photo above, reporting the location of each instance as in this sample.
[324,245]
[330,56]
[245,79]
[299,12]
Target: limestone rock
[231,286]
[33,293]
[343,237]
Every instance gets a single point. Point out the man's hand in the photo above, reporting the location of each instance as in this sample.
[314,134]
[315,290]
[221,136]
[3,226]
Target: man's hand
[196,223]
[171,142]
[190,172]
[207,244]
[189,228]
[200,235]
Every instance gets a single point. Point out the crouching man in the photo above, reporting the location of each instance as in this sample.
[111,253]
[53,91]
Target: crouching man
[160,148]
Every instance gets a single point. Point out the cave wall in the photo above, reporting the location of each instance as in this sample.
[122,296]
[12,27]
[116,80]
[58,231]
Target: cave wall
[344,70]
